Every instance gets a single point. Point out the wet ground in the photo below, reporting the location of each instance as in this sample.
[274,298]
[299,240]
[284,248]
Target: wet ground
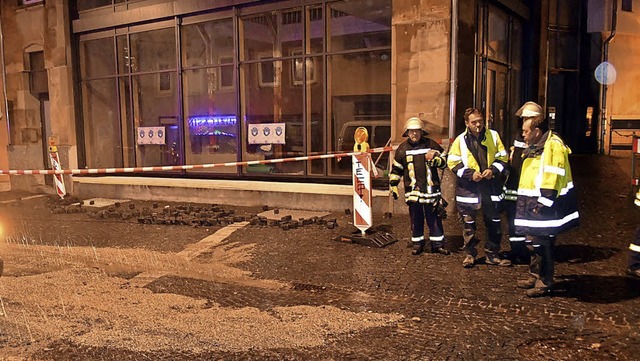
[169,281]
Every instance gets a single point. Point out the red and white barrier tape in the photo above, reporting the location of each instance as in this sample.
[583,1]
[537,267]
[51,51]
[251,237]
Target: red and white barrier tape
[188,167]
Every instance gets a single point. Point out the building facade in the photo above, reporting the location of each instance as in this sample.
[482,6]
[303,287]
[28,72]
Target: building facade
[202,78]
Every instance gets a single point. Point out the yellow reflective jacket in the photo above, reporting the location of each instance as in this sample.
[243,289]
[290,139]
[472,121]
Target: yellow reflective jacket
[463,163]
[547,202]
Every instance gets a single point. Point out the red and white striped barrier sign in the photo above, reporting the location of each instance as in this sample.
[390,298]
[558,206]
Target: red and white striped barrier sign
[362,168]
[55,165]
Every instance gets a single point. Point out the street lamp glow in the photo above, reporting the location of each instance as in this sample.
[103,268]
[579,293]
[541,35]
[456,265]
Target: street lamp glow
[605,73]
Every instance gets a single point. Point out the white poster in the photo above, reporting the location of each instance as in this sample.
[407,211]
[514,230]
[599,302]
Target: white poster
[151,135]
[268,133]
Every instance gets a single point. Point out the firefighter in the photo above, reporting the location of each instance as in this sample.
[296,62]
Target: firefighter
[547,203]
[518,253]
[634,249]
[417,160]
[479,160]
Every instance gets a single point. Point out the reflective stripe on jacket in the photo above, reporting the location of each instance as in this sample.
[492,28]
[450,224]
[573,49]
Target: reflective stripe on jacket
[515,165]
[547,202]
[421,181]
[463,164]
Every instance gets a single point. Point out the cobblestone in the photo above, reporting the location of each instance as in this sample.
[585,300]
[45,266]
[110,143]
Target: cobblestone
[448,312]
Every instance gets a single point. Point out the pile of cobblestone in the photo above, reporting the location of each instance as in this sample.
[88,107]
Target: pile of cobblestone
[287,222]
[189,215]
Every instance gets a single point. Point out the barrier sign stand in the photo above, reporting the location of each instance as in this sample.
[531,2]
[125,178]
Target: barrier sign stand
[363,168]
[55,165]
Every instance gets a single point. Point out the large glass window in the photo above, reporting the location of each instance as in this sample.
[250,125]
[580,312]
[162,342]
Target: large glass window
[320,70]
[209,97]
[272,88]
[360,80]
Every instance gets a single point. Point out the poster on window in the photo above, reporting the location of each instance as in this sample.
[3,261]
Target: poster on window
[151,135]
[270,133]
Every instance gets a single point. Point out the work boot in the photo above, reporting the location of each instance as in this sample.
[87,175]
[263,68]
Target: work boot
[438,247]
[528,283]
[418,247]
[493,259]
[469,261]
[635,273]
[539,292]
[441,250]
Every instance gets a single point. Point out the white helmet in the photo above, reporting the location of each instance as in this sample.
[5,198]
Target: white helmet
[530,109]
[414,123]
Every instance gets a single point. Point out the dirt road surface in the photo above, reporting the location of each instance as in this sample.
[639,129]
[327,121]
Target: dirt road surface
[166,281]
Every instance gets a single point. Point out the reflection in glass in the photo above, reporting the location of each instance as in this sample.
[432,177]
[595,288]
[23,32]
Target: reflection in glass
[497,46]
[151,48]
[207,43]
[271,35]
[360,24]
[281,102]
[355,102]
[125,60]
[315,118]
[101,124]
[211,125]
[97,58]
[302,66]
[316,30]
[155,108]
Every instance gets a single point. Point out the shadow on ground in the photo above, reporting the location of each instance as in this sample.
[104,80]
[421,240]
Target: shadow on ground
[578,253]
[598,289]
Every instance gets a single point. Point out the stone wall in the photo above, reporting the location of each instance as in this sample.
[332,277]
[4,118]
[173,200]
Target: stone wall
[29,29]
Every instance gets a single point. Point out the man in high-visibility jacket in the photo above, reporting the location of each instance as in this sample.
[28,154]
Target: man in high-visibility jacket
[634,248]
[478,159]
[547,203]
[417,161]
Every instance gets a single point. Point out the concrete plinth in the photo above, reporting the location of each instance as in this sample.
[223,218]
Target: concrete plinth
[320,197]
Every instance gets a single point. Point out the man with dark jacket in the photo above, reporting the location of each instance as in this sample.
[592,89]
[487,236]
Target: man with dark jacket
[479,160]
[417,160]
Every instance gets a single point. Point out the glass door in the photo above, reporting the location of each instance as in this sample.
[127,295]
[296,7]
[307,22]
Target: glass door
[496,98]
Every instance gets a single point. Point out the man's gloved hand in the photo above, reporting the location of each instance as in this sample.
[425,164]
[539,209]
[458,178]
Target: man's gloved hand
[432,153]
[537,209]
[394,192]
[435,162]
